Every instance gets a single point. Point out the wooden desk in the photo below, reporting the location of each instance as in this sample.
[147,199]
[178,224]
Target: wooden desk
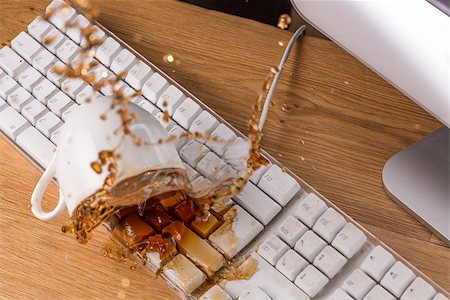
[344,123]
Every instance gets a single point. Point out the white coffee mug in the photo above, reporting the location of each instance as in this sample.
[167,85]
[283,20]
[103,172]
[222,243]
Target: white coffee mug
[83,136]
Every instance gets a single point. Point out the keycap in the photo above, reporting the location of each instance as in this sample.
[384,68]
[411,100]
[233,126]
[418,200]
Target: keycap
[101,73]
[3,104]
[310,209]
[80,22]
[272,249]
[177,131]
[201,185]
[291,230]
[210,164]
[279,185]
[311,280]
[71,86]
[291,264]
[261,206]
[253,293]
[267,278]
[61,13]
[183,273]
[133,231]
[377,263]
[86,93]
[12,123]
[53,40]
[187,112]
[192,174]
[397,279]
[192,152]
[205,228]
[440,297]
[33,110]
[58,103]
[55,77]
[329,224]
[329,261]
[43,90]
[56,135]
[148,106]
[309,245]
[236,153]
[96,35]
[43,61]
[418,289]
[48,123]
[39,28]
[68,111]
[11,62]
[139,73]
[37,145]
[225,134]
[29,78]
[67,51]
[154,86]
[215,293]
[339,294]
[107,51]
[170,99]
[123,61]
[358,284]
[205,123]
[18,98]
[167,124]
[243,230]
[378,292]
[25,46]
[194,247]
[7,85]
[349,240]
[259,173]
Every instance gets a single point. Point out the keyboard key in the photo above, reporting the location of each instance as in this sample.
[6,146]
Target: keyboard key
[123,61]
[291,264]
[227,137]
[53,40]
[36,145]
[61,13]
[96,35]
[201,185]
[259,173]
[215,292]
[67,51]
[349,240]
[7,85]
[329,224]
[187,112]
[29,78]
[107,51]
[253,293]
[205,123]
[148,106]
[167,124]
[11,62]
[236,154]
[55,77]
[339,294]
[309,245]
[329,261]
[3,104]
[39,28]
[74,32]
[170,99]
[153,88]
[68,111]
[43,90]
[56,135]
[33,110]
[25,46]
[279,185]
[184,274]
[138,75]
[18,98]
[86,93]
[440,297]
[418,289]
[48,123]
[397,279]
[257,203]
[291,230]
[71,86]
[311,280]
[243,230]
[358,284]
[205,228]
[58,103]
[272,249]
[43,61]
[377,292]
[377,263]
[310,209]
[192,152]
[12,123]
[210,164]
[176,131]
[267,278]
[192,174]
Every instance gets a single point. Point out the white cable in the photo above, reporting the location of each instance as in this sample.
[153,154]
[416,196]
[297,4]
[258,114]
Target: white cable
[277,76]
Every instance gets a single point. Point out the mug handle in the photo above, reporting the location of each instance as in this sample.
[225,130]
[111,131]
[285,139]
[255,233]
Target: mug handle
[38,193]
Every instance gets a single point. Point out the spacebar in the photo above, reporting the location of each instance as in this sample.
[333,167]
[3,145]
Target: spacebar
[268,279]
[36,145]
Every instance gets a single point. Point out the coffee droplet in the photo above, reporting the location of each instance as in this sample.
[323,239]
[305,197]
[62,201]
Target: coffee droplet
[96,167]
[284,21]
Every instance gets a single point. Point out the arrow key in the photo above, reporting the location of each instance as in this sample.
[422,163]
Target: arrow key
[377,263]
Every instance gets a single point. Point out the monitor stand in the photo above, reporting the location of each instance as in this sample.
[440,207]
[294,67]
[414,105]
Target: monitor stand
[417,178]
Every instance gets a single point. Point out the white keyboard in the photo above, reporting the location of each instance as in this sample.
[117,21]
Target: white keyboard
[304,246]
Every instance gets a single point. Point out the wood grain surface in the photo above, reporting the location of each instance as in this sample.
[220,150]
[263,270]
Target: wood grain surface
[342,123]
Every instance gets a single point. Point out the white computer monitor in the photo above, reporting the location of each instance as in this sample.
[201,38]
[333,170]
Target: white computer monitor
[407,42]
